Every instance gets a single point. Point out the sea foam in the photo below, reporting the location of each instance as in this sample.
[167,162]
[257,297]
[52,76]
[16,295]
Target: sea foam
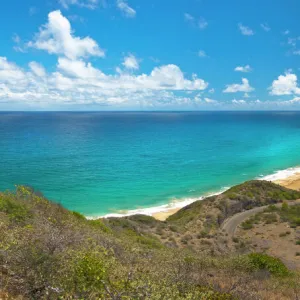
[180,203]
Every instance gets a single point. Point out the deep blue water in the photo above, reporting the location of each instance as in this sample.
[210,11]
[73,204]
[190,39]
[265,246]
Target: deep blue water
[100,162]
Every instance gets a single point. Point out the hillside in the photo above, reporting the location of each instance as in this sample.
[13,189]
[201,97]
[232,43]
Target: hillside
[48,252]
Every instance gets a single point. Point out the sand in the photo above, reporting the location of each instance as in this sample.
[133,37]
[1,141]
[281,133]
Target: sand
[291,182]
[162,216]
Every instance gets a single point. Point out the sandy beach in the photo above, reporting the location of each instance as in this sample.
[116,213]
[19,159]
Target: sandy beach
[291,182]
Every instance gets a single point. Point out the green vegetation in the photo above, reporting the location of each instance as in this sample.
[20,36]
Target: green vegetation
[48,252]
[247,224]
[265,262]
[290,214]
[272,214]
[238,198]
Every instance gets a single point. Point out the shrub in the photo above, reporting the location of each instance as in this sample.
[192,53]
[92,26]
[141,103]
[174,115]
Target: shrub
[270,218]
[284,206]
[99,224]
[274,265]
[246,225]
[78,215]
[16,211]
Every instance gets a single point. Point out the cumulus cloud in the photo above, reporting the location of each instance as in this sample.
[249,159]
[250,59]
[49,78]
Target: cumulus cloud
[244,87]
[56,37]
[244,69]
[126,9]
[10,72]
[37,69]
[79,82]
[245,30]
[130,62]
[285,85]
[234,101]
[208,100]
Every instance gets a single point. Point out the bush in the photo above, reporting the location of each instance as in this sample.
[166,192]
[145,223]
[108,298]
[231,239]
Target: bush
[78,215]
[16,211]
[270,218]
[99,224]
[284,206]
[246,225]
[274,265]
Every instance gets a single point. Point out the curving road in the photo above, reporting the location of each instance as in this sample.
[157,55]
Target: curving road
[230,224]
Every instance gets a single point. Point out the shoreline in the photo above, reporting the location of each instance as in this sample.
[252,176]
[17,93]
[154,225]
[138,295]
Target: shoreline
[292,181]
[289,178]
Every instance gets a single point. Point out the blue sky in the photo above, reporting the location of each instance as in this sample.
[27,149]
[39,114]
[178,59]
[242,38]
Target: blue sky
[149,55]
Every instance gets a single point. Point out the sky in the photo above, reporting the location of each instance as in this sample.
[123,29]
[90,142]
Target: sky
[149,55]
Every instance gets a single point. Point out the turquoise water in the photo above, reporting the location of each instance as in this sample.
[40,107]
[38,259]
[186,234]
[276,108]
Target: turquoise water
[99,163]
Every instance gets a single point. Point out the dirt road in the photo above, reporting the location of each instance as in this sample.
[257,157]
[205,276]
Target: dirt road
[230,224]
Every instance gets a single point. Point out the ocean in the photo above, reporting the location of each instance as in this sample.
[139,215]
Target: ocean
[101,163]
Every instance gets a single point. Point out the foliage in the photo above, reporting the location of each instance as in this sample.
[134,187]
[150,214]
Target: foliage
[262,261]
[48,252]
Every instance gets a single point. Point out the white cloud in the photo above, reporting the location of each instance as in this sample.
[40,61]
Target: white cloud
[211,91]
[130,62]
[234,88]
[126,9]
[189,17]
[202,53]
[56,38]
[78,82]
[245,30]
[208,100]
[296,52]
[286,32]
[37,69]
[234,101]
[16,38]
[265,27]
[295,100]
[244,69]
[78,69]
[18,47]
[201,23]
[10,72]
[91,4]
[285,85]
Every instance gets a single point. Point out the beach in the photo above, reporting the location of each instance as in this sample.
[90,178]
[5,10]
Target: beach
[290,179]
[291,182]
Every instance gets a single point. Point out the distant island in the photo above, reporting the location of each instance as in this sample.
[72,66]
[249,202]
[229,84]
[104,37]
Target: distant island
[241,244]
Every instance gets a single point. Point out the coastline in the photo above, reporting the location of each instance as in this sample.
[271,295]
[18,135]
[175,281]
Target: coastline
[289,178]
